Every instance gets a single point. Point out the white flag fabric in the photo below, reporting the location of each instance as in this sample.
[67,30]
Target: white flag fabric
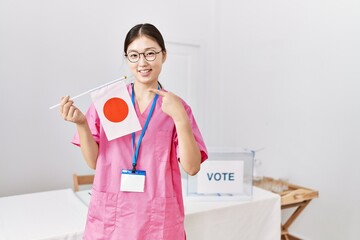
[115,110]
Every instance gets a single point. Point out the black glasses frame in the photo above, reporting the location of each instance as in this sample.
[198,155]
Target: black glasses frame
[143,53]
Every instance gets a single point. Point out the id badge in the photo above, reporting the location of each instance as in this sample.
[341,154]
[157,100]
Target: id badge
[132,182]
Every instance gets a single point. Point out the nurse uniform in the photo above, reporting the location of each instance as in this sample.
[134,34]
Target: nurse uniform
[158,212]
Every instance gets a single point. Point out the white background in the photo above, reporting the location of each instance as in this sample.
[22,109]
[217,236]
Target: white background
[283,75]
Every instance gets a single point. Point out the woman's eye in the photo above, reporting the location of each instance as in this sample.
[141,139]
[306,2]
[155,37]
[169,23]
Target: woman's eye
[150,54]
[133,55]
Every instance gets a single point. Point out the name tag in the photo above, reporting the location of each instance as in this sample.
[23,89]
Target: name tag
[132,182]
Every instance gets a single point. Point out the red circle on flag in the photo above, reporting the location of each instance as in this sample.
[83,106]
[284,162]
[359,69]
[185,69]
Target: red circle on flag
[116,109]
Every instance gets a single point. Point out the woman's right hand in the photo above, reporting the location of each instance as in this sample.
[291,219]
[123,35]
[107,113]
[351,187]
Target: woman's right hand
[70,112]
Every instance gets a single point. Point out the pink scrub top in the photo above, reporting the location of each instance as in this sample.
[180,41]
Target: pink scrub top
[158,212]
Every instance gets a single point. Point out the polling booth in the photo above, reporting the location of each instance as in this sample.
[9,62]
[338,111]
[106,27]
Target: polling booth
[221,201]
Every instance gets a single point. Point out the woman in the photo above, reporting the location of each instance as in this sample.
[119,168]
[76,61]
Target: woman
[172,136]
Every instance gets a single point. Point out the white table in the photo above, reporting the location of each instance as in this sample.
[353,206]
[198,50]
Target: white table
[255,219]
[61,215]
[48,215]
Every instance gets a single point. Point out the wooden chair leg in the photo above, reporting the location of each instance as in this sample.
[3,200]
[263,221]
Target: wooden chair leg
[296,213]
[76,183]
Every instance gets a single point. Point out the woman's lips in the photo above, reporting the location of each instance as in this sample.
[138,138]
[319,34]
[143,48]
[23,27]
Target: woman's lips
[145,73]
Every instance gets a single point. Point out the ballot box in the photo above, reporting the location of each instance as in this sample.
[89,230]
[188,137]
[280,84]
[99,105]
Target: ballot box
[224,176]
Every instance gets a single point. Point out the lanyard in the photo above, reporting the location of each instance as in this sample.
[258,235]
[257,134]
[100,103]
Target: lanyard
[136,153]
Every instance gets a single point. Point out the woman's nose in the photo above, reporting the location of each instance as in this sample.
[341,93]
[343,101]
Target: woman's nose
[142,60]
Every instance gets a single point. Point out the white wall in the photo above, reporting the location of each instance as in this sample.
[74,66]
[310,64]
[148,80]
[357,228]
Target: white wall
[54,48]
[283,75]
[288,80]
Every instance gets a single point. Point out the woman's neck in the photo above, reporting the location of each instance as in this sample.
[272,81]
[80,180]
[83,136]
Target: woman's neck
[142,93]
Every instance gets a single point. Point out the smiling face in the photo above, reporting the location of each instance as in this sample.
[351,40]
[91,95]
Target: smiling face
[144,71]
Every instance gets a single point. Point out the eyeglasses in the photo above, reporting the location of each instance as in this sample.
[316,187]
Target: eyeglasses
[149,55]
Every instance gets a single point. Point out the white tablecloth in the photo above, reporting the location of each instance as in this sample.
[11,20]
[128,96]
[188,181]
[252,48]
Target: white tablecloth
[256,219]
[61,215]
[48,215]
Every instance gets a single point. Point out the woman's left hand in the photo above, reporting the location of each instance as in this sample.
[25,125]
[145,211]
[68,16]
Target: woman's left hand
[189,153]
[171,105]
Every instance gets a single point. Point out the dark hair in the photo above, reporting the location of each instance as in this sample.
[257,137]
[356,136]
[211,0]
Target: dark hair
[145,29]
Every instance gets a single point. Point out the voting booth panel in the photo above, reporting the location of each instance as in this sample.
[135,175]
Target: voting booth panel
[224,176]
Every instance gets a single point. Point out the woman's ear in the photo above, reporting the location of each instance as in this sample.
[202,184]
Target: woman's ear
[164,56]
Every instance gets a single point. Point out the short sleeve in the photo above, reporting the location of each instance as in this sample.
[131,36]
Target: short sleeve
[197,135]
[94,125]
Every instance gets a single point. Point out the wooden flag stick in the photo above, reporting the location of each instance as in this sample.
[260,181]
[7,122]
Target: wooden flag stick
[91,90]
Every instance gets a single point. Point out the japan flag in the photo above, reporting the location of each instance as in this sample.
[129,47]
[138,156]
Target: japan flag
[116,111]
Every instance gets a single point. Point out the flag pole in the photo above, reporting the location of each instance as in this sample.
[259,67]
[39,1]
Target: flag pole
[91,90]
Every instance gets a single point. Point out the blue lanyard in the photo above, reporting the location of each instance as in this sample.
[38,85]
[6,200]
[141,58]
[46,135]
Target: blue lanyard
[135,157]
